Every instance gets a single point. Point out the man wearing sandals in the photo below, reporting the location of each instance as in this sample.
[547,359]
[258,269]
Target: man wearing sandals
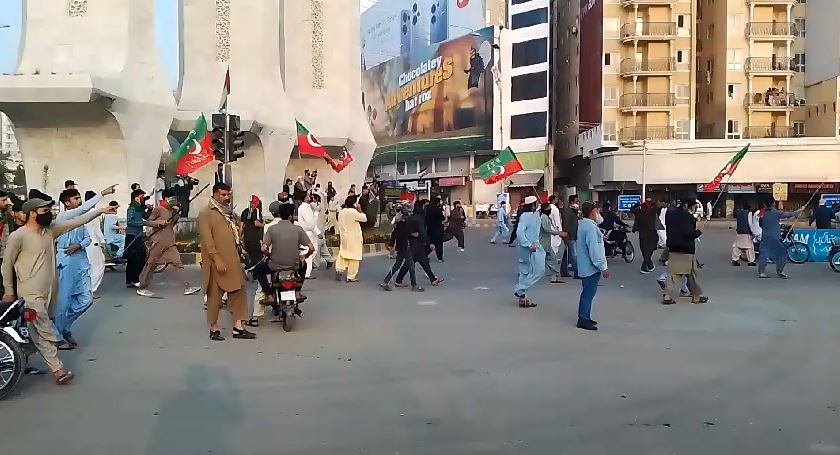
[591,262]
[682,233]
[30,258]
[530,254]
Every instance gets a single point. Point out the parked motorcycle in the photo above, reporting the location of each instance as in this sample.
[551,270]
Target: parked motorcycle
[286,286]
[798,252]
[834,255]
[15,343]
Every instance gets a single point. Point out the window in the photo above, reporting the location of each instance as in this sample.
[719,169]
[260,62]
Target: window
[534,124]
[516,2]
[426,166]
[529,52]
[800,26]
[683,21]
[734,59]
[609,131]
[529,18]
[442,164]
[607,59]
[733,129]
[682,129]
[529,86]
[735,24]
[733,93]
[799,63]
[611,96]
[411,167]
[611,27]
[611,62]
[682,59]
[798,129]
[401,168]
[682,94]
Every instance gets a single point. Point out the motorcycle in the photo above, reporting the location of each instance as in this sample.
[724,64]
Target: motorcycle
[798,252]
[623,244]
[15,343]
[834,255]
[286,286]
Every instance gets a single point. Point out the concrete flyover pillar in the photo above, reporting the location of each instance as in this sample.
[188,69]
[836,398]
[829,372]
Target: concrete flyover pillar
[89,100]
[321,68]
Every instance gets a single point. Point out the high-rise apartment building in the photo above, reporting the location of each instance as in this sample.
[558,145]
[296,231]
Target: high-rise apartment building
[659,94]
[8,143]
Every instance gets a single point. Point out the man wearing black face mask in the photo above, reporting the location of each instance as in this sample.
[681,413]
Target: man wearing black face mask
[29,272]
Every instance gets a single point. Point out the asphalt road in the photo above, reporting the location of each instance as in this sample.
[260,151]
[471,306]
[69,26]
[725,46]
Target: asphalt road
[457,370]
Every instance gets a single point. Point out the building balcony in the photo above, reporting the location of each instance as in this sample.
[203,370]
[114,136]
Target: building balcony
[772,2]
[648,31]
[647,101]
[643,133]
[771,31]
[652,66]
[770,101]
[771,66]
[629,3]
[767,132]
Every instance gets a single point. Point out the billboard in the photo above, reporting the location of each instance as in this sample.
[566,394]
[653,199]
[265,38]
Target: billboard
[591,61]
[435,98]
[397,27]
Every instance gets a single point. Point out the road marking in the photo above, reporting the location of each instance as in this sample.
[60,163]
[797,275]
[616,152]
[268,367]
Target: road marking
[481,288]
[427,302]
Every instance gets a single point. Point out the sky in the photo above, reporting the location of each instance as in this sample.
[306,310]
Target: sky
[166,24]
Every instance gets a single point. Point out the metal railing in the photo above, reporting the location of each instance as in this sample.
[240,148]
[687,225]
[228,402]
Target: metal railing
[651,65]
[769,64]
[646,2]
[634,30]
[771,29]
[770,99]
[641,133]
[631,100]
[764,132]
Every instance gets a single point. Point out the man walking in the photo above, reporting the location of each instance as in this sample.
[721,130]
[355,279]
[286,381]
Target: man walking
[457,223]
[557,246]
[135,247]
[771,246]
[95,251]
[29,273]
[419,247]
[349,227]
[502,220]
[163,251]
[251,223]
[322,251]
[114,233]
[222,254]
[434,226]
[548,231]
[74,285]
[570,223]
[307,220]
[398,242]
[645,225]
[682,264]
[743,237]
[530,254]
[591,262]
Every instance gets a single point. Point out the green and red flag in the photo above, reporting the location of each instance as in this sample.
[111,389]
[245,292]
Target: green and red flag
[196,151]
[499,168]
[307,144]
[342,162]
[728,170]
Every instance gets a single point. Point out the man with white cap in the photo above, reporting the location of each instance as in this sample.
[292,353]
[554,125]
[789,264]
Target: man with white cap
[530,254]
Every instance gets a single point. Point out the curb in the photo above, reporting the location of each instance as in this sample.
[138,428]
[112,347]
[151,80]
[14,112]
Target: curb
[368,249]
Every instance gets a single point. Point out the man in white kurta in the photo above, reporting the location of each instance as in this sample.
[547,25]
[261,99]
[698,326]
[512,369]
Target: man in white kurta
[308,220]
[350,232]
[557,245]
[95,254]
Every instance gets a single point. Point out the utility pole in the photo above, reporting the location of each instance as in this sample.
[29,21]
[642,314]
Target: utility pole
[644,169]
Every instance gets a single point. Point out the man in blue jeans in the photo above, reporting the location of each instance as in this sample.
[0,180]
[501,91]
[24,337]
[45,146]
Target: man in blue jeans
[591,262]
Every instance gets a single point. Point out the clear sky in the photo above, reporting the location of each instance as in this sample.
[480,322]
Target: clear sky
[166,24]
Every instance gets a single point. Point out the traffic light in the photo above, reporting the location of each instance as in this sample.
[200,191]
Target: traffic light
[217,136]
[236,139]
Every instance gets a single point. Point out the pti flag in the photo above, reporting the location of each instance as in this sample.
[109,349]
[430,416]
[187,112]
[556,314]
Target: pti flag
[499,168]
[342,162]
[196,151]
[728,169]
[307,144]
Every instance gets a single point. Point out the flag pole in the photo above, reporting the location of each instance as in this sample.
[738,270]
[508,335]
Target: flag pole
[644,169]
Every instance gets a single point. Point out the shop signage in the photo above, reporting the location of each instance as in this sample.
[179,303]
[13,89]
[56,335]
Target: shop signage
[812,187]
[818,241]
[450,181]
[764,188]
[701,188]
[829,200]
[780,191]
[740,188]
[627,201]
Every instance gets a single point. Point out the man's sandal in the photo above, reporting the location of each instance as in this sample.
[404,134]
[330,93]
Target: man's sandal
[253,322]
[64,378]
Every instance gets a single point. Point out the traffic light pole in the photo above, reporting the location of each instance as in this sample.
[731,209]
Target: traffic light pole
[225,177]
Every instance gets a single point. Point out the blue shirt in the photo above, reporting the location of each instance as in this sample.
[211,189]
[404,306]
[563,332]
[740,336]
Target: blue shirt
[528,231]
[78,236]
[502,216]
[591,257]
[771,229]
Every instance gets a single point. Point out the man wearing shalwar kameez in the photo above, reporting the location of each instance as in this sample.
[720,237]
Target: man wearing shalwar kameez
[530,254]
[74,286]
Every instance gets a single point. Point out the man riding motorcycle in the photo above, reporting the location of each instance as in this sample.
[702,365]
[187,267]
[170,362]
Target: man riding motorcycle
[612,236]
[282,244]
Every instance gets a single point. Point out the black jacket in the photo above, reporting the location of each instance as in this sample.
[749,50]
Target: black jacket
[681,230]
[434,222]
[645,218]
[610,220]
[399,236]
[416,224]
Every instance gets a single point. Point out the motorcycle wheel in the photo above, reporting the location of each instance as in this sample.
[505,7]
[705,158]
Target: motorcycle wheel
[629,252]
[834,261]
[160,268]
[798,252]
[289,322]
[11,364]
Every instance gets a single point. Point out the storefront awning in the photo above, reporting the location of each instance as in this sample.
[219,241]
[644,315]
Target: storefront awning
[524,179]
